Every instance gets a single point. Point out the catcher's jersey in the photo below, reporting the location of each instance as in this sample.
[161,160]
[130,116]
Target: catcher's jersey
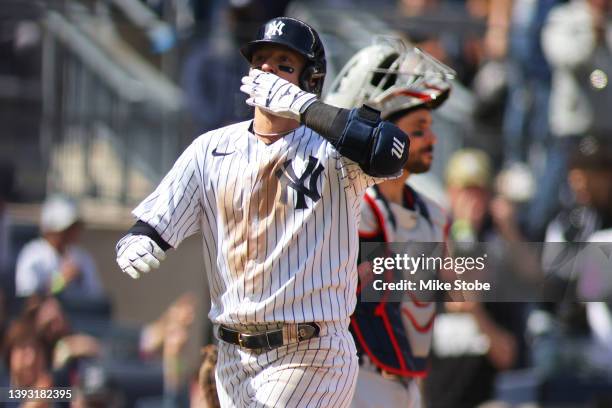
[279,223]
[397,337]
[418,220]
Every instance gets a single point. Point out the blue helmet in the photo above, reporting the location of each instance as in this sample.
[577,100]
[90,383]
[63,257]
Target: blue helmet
[299,37]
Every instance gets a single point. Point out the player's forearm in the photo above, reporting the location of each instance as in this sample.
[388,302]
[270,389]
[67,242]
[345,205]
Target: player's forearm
[380,148]
[326,120]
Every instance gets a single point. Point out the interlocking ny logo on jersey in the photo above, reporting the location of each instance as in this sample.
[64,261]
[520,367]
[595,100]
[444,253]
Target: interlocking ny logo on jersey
[288,178]
[275,28]
[398,148]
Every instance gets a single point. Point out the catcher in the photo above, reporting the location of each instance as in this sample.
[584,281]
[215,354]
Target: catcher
[393,338]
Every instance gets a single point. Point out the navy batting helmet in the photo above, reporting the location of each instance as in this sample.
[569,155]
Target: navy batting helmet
[301,38]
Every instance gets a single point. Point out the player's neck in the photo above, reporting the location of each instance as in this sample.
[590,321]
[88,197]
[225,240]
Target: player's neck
[393,190]
[269,128]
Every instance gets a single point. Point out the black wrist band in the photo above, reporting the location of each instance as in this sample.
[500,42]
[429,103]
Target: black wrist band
[326,120]
[142,228]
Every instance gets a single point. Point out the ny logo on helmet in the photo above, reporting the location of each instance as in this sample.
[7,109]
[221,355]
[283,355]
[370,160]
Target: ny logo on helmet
[288,178]
[275,28]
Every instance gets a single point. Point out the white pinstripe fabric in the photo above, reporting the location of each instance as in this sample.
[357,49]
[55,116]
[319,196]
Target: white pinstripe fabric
[267,261]
[279,225]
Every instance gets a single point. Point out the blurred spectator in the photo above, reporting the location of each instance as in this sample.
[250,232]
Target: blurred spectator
[103,379]
[168,337]
[179,319]
[516,30]
[212,71]
[181,312]
[25,356]
[53,329]
[514,186]
[480,215]
[575,45]
[54,263]
[447,30]
[590,179]
[469,178]
[572,339]
[96,390]
[472,341]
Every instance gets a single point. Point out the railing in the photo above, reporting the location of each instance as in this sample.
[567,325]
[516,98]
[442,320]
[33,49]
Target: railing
[111,121]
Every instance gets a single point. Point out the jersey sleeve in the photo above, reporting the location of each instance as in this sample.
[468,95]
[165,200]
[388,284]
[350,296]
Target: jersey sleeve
[353,176]
[174,208]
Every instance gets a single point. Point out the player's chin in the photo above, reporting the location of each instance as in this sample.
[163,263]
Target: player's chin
[420,166]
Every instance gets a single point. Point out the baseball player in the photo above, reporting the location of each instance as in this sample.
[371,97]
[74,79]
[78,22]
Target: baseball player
[276,200]
[393,339]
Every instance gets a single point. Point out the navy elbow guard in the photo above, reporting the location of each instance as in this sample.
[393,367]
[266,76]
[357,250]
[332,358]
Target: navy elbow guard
[379,147]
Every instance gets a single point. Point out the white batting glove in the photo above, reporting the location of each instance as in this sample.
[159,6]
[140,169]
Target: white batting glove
[138,254]
[276,95]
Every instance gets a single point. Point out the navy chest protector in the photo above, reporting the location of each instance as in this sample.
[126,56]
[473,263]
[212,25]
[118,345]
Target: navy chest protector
[379,327]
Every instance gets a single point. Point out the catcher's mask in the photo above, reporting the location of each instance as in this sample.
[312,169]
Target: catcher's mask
[392,77]
[299,37]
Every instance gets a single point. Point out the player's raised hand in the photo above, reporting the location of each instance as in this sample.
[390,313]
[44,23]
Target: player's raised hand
[275,95]
[138,254]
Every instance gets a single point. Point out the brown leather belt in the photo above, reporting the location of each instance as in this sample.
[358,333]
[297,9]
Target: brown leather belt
[266,339]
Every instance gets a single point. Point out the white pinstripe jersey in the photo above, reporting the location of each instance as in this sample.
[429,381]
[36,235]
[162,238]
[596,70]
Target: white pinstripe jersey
[279,223]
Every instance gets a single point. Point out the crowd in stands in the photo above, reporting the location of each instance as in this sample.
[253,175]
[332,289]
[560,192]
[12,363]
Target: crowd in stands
[58,330]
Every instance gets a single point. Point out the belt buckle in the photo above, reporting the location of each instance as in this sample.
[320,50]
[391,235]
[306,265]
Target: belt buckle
[243,337]
[240,339]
